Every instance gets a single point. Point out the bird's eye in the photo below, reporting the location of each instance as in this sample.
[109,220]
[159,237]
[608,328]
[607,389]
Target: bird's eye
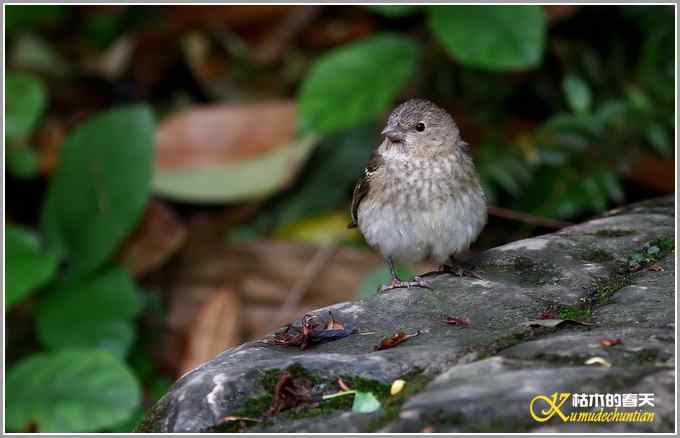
[420,127]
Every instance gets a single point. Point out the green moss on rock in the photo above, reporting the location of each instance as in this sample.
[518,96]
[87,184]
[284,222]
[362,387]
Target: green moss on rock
[256,406]
[614,232]
[391,404]
[597,255]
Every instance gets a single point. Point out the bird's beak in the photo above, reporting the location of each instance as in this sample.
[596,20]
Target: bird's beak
[393,133]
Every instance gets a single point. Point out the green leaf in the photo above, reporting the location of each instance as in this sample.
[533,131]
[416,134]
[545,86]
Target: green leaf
[609,180]
[639,99]
[129,424]
[22,162]
[611,112]
[90,312]
[26,100]
[101,186]
[659,137]
[369,285]
[28,16]
[577,93]
[357,82]
[28,267]
[365,402]
[70,391]
[494,37]
[394,10]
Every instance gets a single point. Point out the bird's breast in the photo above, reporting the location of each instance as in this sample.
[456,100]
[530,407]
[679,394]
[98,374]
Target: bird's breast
[415,210]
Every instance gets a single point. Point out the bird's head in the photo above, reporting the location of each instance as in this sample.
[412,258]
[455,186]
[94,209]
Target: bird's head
[420,127]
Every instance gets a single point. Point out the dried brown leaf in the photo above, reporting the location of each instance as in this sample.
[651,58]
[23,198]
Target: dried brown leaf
[394,340]
[299,337]
[217,134]
[214,328]
[157,237]
[311,333]
[290,392]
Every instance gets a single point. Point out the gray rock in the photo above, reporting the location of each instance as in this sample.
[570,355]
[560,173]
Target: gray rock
[484,375]
[494,394]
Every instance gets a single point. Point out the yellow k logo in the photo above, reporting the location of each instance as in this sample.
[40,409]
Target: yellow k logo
[554,403]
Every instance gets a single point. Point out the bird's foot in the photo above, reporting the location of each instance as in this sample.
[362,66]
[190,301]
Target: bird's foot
[398,284]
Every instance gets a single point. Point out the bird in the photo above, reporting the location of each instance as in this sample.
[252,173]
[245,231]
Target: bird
[419,197]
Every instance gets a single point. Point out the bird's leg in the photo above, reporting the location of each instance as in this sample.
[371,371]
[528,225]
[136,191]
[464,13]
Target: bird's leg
[396,283]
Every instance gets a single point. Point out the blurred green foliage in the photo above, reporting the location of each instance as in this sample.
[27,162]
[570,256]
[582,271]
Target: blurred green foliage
[110,193]
[28,267]
[505,37]
[26,98]
[29,16]
[40,390]
[84,315]
[26,101]
[95,311]
[607,104]
[356,82]
[589,105]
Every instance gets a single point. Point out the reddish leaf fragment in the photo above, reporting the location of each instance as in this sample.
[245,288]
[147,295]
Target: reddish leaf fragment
[656,268]
[343,385]
[606,342]
[301,338]
[463,321]
[546,315]
[289,340]
[394,340]
[549,312]
[312,333]
[290,392]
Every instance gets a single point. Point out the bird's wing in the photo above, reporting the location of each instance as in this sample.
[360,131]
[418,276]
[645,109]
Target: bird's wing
[363,186]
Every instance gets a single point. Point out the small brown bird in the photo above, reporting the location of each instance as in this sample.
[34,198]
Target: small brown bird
[419,197]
